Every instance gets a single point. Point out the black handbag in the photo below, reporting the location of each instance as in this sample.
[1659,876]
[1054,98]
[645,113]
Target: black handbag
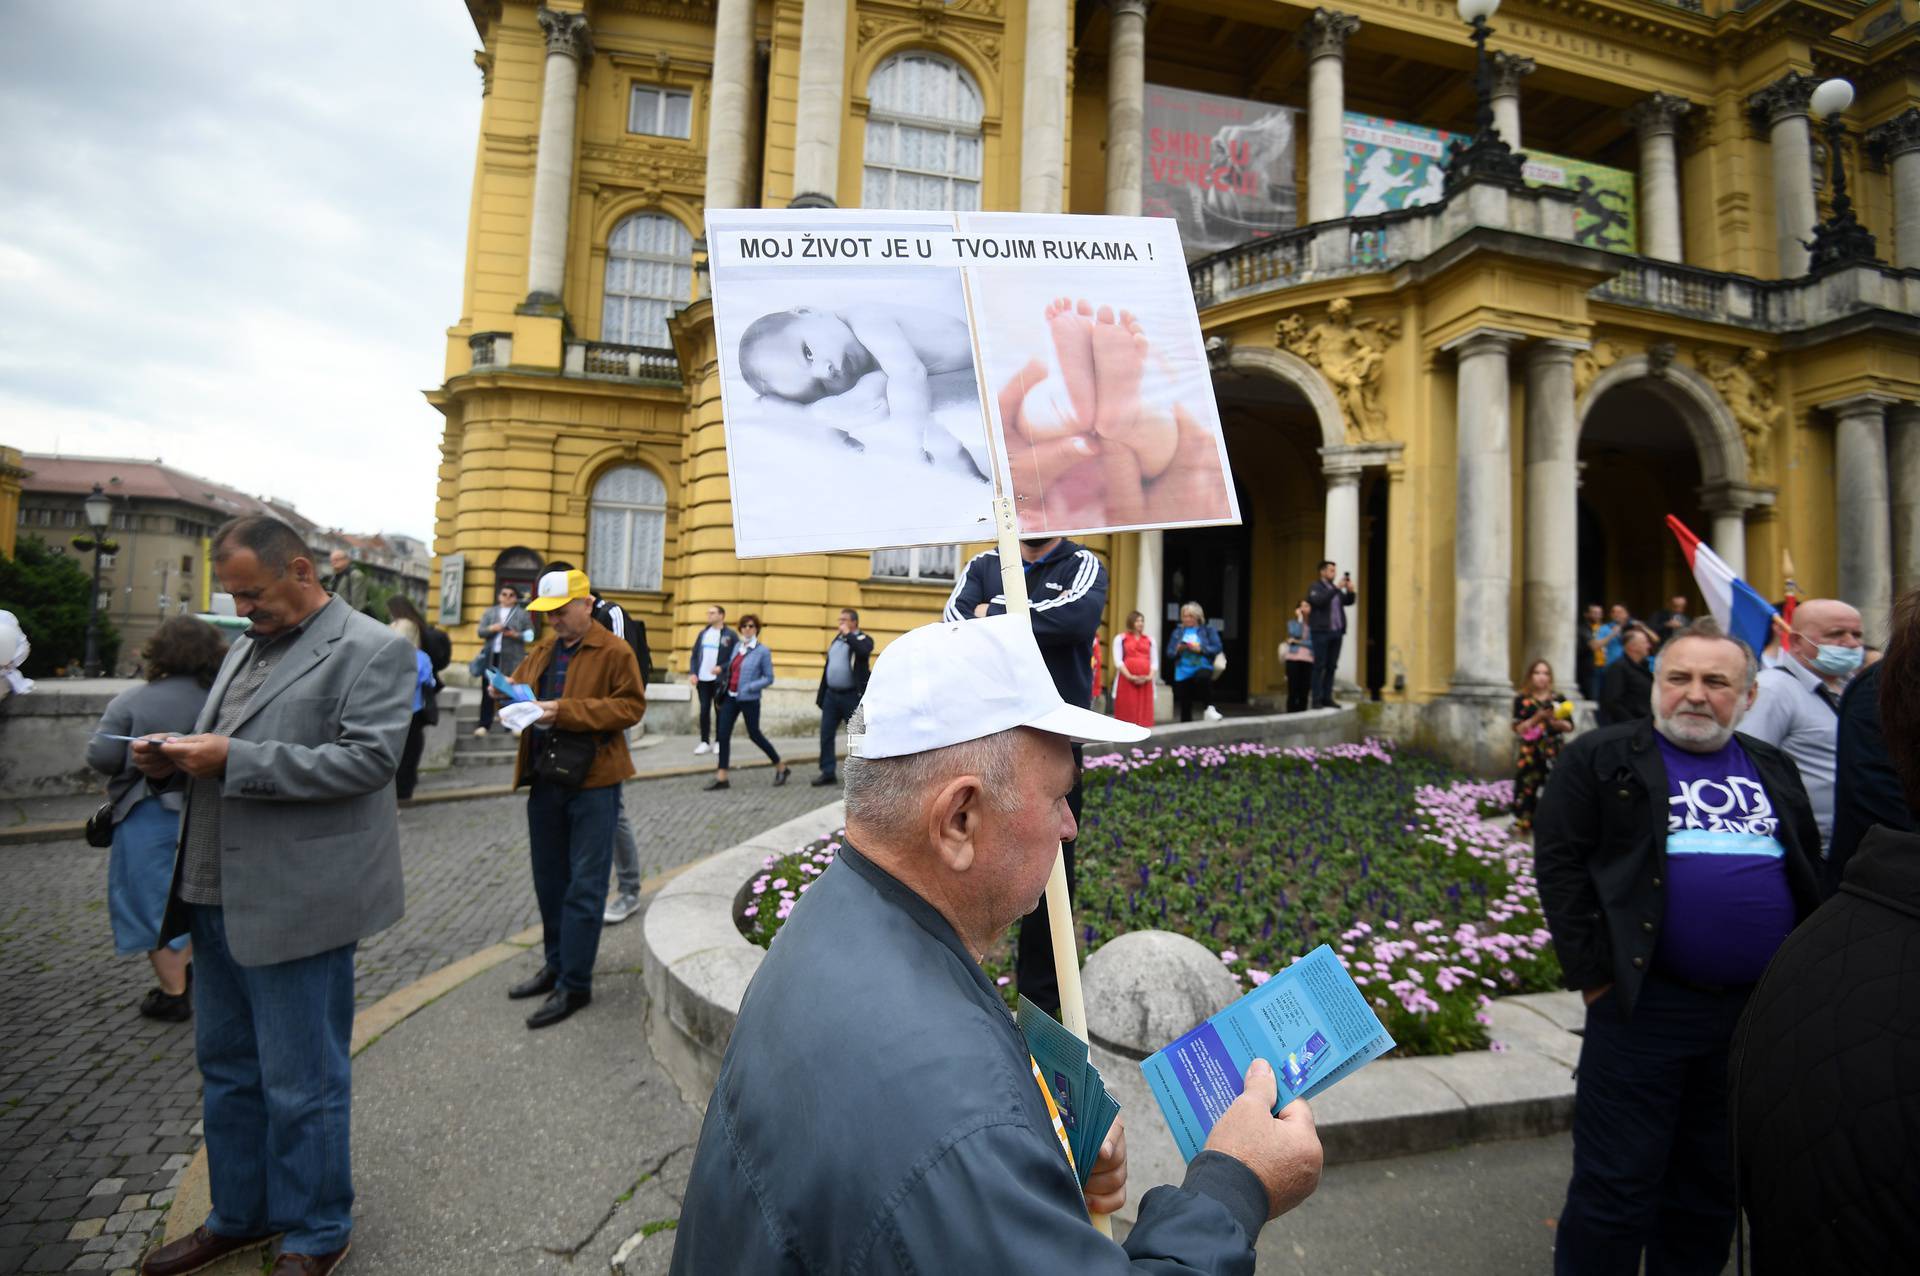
[100,826]
[565,757]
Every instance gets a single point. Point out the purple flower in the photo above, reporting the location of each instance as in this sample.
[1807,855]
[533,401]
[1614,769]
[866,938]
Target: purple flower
[1003,981]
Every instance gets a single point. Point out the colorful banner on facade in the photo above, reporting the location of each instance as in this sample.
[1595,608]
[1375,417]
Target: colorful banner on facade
[1392,165]
[1222,167]
[878,368]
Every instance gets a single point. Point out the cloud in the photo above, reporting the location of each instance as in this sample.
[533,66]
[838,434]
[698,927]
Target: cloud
[232,236]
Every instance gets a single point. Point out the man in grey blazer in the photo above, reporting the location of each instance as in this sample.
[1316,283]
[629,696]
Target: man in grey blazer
[289,856]
[503,630]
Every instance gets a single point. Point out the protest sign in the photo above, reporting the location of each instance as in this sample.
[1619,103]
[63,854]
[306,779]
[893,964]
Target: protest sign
[857,350]
[1221,167]
[1309,1021]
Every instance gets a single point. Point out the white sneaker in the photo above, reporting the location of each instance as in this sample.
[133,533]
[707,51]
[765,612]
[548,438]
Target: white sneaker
[621,909]
[703,747]
[1212,714]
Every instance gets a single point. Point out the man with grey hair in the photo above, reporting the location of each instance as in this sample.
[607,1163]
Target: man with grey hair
[346,584]
[1797,709]
[1674,856]
[925,1142]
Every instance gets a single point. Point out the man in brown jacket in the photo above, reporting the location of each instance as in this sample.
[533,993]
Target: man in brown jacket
[587,686]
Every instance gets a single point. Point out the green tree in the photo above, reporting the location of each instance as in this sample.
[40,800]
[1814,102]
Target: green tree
[47,593]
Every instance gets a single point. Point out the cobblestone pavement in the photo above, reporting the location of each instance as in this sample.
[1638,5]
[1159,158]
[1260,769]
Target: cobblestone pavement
[100,1109]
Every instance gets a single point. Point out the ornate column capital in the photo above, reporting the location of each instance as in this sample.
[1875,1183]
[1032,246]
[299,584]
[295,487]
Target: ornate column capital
[1508,70]
[1555,350]
[567,33]
[1137,8]
[1897,136]
[1483,341]
[1324,33]
[1785,98]
[1658,114]
[1871,404]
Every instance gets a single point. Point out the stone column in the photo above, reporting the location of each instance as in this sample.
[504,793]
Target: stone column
[1483,516]
[568,45]
[1508,70]
[1862,517]
[1729,537]
[730,106]
[1343,547]
[1657,119]
[1551,603]
[823,104]
[1126,103]
[1043,108]
[1782,106]
[1324,37]
[1903,453]
[1898,141]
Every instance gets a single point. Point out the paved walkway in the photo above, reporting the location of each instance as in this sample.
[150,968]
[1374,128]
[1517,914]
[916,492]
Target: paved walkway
[99,1107]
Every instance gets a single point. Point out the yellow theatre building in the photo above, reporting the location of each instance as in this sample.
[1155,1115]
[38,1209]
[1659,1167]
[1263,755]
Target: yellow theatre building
[1480,382]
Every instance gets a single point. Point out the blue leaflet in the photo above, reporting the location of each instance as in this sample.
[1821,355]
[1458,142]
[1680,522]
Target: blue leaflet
[1086,1109]
[511,690]
[1309,1021]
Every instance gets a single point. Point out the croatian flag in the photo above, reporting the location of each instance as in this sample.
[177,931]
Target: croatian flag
[1738,607]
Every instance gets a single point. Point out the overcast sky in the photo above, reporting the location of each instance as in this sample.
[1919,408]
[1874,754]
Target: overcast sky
[232,236]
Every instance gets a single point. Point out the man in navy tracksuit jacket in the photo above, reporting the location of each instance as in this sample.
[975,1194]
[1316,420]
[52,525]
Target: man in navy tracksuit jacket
[1067,590]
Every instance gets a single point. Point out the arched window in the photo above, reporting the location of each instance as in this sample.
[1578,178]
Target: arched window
[627,531]
[649,276]
[923,136]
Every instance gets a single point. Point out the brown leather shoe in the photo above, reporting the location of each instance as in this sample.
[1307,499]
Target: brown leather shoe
[201,1249]
[308,1264]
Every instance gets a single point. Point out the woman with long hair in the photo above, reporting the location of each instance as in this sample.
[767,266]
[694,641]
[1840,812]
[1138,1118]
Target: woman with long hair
[181,660]
[1133,676]
[409,773]
[1537,721]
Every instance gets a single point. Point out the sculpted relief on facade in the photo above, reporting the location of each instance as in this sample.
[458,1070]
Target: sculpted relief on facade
[1351,354]
[1748,387]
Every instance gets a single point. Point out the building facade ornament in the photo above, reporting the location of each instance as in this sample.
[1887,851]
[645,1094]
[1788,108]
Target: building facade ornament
[567,34]
[1324,33]
[1788,96]
[1589,364]
[1660,357]
[1350,354]
[484,60]
[1747,385]
[1660,113]
[1140,7]
[1508,70]
[1219,355]
[1898,136]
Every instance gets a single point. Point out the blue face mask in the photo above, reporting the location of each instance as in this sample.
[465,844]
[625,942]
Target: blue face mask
[1835,662]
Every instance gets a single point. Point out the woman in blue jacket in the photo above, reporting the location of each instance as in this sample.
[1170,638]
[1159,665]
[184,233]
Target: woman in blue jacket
[1192,648]
[748,672]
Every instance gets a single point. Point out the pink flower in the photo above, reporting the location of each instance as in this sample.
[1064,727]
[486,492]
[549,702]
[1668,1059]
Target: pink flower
[1258,977]
[1498,1047]
[751,910]
[780,884]
[1229,956]
[1003,981]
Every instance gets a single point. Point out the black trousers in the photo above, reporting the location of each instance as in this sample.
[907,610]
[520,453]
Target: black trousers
[1195,691]
[706,690]
[835,708]
[486,695]
[750,711]
[408,773]
[1299,684]
[1652,1169]
[1326,660]
[1033,973]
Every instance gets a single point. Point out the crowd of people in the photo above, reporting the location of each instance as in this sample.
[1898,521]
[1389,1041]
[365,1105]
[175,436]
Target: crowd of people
[1721,863]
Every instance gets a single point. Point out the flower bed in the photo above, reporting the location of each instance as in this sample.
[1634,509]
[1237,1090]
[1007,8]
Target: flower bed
[1264,853]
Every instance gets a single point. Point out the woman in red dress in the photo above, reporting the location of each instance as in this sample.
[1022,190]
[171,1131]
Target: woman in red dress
[1133,665]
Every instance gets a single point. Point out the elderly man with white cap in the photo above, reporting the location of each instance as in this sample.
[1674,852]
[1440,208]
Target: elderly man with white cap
[877,1110]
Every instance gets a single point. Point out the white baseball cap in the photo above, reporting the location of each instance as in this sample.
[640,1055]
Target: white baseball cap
[964,680]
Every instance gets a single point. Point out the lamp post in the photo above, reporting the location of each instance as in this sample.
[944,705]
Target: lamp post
[1487,158]
[1841,238]
[99,509]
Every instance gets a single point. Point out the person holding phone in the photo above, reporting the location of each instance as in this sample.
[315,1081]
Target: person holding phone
[1327,603]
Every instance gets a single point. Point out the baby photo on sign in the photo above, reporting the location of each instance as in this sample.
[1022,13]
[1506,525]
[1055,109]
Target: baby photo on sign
[852,407]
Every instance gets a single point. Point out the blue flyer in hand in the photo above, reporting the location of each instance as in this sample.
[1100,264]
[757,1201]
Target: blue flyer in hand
[1309,1021]
[511,690]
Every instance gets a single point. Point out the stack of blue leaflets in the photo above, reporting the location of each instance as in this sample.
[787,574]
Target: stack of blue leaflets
[1086,1109]
[1309,1021]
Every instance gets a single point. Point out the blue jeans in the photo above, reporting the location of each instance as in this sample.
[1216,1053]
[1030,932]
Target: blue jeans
[273,1049]
[570,837]
[626,852]
[835,707]
[1326,658]
[1652,1169]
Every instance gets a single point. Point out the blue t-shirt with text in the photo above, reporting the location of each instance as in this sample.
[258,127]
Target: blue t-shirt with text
[1728,903]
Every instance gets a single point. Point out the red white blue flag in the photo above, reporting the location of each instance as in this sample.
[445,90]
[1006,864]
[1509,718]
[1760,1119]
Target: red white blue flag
[1737,605]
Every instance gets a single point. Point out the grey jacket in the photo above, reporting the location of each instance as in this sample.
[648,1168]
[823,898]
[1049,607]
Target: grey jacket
[877,1113]
[165,704]
[309,829]
[513,649]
